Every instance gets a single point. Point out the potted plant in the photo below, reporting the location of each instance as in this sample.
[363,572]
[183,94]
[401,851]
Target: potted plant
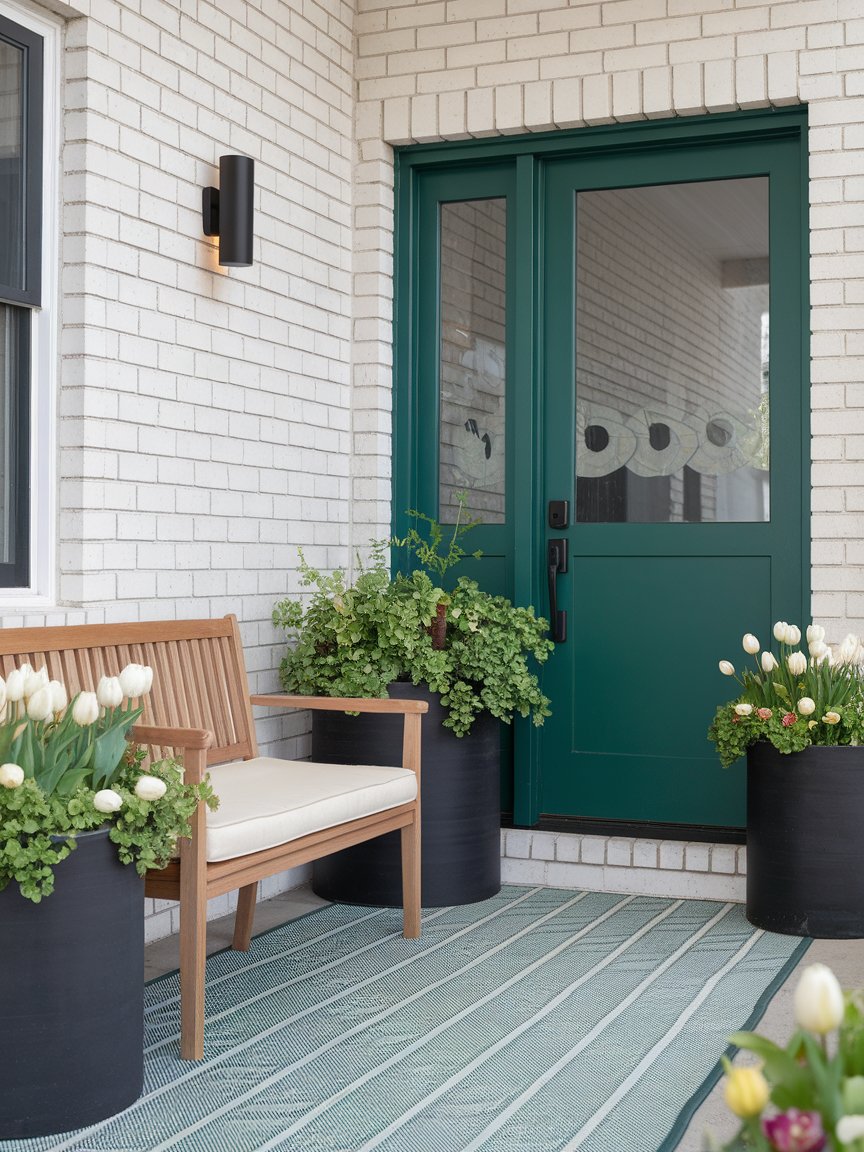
[470,654]
[81,821]
[800,720]
[809,1095]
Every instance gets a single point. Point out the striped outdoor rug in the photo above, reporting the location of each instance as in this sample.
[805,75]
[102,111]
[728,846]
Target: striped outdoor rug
[539,1020]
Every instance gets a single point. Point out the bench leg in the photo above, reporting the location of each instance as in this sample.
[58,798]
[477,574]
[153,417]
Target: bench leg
[411,880]
[193,962]
[244,917]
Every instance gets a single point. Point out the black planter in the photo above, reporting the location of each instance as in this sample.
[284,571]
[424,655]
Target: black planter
[460,808]
[805,848]
[72,995]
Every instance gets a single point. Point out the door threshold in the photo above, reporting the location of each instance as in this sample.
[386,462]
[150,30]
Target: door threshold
[591,826]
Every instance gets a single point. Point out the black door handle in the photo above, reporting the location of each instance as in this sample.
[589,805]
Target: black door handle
[556,561]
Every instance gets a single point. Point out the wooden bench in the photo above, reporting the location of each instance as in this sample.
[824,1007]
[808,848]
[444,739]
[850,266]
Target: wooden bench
[273,814]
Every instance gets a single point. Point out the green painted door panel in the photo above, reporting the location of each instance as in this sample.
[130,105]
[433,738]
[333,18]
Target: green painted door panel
[643,674]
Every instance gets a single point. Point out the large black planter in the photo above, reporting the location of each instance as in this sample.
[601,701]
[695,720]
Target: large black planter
[72,995]
[805,848]
[460,808]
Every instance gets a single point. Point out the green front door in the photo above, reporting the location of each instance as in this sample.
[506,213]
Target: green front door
[584,346]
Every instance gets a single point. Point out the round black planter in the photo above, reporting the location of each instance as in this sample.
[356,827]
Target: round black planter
[72,995]
[460,808]
[805,849]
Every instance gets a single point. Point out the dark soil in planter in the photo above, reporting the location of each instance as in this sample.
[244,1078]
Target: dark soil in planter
[805,841]
[460,807]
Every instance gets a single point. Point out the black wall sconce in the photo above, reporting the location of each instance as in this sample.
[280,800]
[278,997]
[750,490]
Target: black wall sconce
[227,210]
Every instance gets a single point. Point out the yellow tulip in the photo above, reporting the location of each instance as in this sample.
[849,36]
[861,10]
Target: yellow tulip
[747,1090]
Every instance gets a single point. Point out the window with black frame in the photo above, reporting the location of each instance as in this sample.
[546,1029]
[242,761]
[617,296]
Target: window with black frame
[21,62]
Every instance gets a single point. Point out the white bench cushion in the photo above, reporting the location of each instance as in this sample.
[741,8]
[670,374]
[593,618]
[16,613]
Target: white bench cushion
[265,802]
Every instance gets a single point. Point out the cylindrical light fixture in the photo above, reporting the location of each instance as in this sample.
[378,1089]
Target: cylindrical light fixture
[227,211]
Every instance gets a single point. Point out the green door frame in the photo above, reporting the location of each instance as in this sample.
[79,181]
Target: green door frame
[521,160]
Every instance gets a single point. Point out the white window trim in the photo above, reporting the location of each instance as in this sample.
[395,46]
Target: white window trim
[42,591]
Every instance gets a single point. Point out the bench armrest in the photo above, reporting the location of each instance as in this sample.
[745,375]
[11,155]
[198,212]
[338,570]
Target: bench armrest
[194,740]
[342,703]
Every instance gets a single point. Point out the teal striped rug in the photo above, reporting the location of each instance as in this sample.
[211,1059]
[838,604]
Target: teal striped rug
[539,1020]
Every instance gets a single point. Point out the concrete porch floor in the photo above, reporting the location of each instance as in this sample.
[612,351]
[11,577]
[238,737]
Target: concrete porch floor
[844,957]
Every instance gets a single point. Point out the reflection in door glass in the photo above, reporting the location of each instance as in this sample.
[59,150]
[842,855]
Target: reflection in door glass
[11,164]
[672,353]
[472,371]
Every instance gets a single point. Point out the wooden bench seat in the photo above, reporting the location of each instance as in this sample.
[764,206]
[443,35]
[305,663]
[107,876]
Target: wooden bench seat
[274,814]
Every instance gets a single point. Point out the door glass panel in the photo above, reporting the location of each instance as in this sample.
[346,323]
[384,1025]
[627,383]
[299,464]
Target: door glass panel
[11,165]
[672,353]
[13,453]
[472,361]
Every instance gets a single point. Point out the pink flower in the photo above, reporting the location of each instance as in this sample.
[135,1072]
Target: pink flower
[764,713]
[795,1131]
[789,719]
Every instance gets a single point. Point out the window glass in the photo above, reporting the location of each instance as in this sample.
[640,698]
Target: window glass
[473,273]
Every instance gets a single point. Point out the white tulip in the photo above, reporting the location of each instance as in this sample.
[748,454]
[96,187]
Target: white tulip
[150,788]
[39,705]
[59,698]
[34,681]
[11,776]
[107,801]
[819,651]
[132,680]
[793,635]
[806,706]
[726,668]
[815,634]
[15,686]
[148,679]
[831,718]
[796,663]
[85,709]
[768,661]
[743,709]
[850,650]
[109,693]
[25,670]
[750,644]
[780,631]
[849,1129]
[818,1000]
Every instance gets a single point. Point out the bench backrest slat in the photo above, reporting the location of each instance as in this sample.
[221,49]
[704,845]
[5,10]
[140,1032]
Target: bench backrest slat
[199,675]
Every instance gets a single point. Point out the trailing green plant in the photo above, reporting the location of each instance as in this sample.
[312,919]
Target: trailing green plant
[793,699]
[68,768]
[354,640]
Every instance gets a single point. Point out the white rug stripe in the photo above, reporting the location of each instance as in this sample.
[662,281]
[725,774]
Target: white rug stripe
[238,1005]
[599,1027]
[453,1020]
[661,1045]
[202,1068]
[507,1040]
[285,1072]
[244,969]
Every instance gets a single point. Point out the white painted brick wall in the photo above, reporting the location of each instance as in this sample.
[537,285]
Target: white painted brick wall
[526,65]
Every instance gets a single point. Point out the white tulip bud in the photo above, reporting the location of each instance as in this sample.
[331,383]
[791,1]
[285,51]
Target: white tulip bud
[726,668]
[39,705]
[11,776]
[818,651]
[743,709]
[815,634]
[85,709]
[797,663]
[150,788]
[109,693]
[34,681]
[780,631]
[793,635]
[768,661]
[806,706]
[107,801]
[25,670]
[59,698]
[750,644]
[15,686]
[850,650]
[818,1000]
[850,1128]
[132,680]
